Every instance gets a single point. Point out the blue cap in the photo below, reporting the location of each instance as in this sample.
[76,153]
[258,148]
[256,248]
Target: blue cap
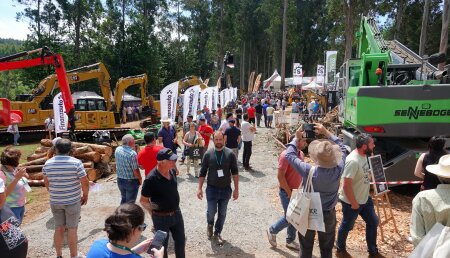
[166,154]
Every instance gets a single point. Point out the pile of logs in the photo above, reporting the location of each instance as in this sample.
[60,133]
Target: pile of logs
[96,159]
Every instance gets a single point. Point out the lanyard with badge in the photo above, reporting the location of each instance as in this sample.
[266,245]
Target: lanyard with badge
[219,171]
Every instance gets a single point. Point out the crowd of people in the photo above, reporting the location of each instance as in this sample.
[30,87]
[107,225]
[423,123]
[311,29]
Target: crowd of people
[211,147]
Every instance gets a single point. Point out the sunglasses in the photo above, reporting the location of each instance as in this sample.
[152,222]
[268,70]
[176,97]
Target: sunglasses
[142,227]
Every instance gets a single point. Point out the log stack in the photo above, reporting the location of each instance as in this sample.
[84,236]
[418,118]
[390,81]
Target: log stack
[96,159]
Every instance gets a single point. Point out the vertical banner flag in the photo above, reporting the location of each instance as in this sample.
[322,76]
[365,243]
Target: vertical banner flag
[250,82]
[320,74]
[205,98]
[168,101]
[257,82]
[59,112]
[190,102]
[330,70]
[214,97]
[297,73]
[230,94]
[222,98]
[234,94]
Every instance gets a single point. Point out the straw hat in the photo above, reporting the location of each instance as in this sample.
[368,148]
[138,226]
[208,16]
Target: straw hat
[442,169]
[325,153]
[166,120]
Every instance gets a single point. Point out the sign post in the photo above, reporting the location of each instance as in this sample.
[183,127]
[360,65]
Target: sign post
[381,193]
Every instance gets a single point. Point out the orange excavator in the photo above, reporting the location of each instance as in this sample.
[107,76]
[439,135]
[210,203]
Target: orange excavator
[46,57]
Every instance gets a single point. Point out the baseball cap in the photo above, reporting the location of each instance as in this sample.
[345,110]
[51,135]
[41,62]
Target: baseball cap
[202,119]
[166,154]
[232,121]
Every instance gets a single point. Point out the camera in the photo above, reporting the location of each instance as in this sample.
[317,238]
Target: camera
[309,130]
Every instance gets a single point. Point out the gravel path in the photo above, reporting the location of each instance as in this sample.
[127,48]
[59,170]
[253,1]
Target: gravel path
[247,219]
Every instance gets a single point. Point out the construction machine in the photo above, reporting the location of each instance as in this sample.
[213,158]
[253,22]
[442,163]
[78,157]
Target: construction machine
[91,113]
[394,102]
[46,58]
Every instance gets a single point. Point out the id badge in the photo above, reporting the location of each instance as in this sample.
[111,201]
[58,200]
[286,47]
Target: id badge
[220,173]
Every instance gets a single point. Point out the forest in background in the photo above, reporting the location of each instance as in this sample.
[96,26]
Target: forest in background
[171,39]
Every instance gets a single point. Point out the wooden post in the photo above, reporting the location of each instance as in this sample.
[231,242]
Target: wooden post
[382,200]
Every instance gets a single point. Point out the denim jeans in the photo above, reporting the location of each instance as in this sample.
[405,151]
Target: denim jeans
[326,239]
[128,189]
[217,199]
[19,212]
[367,213]
[172,224]
[282,223]
[247,153]
[258,119]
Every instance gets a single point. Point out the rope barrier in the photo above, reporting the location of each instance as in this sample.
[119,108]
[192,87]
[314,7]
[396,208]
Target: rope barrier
[397,183]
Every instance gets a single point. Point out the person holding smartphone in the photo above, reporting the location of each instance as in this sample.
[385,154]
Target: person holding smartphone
[124,228]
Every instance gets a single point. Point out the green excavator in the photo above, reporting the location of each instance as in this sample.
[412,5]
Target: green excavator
[398,103]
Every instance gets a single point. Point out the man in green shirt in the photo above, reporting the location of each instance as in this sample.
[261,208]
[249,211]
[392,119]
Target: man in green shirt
[354,195]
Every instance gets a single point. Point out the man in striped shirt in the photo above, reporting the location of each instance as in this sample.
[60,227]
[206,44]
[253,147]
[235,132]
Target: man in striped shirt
[128,175]
[65,179]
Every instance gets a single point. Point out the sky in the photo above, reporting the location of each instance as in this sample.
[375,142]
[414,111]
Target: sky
[9,27]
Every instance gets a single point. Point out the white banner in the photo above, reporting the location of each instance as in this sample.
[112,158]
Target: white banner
[190,102]
[59,112]
[214,97]
[229,95]
[297,73]
[205,99]
[234,94]
[330,67]
[320,74]
[168,101]
[222,98]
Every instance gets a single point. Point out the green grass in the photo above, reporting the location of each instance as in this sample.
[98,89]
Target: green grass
[26,149]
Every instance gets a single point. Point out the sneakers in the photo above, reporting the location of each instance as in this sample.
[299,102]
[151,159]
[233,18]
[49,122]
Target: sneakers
[293,245]
[218,239]
[209,232]
[272,238]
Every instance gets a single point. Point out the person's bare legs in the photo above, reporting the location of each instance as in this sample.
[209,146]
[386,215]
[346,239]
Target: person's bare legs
[72,239]
[59,238]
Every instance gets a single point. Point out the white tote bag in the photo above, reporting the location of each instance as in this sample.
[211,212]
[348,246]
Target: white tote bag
[315,218]
[298,210]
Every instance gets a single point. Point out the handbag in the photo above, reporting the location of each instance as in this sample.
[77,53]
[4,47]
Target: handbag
[315,218]
[298,210]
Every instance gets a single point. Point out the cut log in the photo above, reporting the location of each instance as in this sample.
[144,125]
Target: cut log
[39,161]
[36,182]
[36,156]
[104,168]
[46,142]
[93,174]
[105,158]
[102,149]
[91,156]
[41,149]
[36,176]
[81,150]
[38,168]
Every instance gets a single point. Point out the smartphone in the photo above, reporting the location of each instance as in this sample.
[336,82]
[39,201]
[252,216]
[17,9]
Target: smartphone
[309,130]
[158,241]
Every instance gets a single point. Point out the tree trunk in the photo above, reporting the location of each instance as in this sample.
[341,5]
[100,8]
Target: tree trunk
[444,32]
[38,20]
[41,149]
[36,156]
[283,46]
[36,176]
[423,32]
[38,168]
[90,156]
[82,150]
[401,6]
[93,174]
[102,149]
[77,33]
[349,24]
[105,158]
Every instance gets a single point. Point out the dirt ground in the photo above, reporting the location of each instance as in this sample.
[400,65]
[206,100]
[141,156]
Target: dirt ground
[256,209]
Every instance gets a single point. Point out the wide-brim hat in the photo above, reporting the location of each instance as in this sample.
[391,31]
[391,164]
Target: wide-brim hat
[325,153]
[166,120]
[442,169]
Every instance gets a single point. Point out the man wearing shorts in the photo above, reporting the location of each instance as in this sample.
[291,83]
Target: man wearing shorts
[65,179]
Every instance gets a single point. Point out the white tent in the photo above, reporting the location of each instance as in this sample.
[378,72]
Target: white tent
[274,81]
[312,86]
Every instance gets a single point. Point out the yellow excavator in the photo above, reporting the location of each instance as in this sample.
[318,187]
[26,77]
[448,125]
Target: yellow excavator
[92,113]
